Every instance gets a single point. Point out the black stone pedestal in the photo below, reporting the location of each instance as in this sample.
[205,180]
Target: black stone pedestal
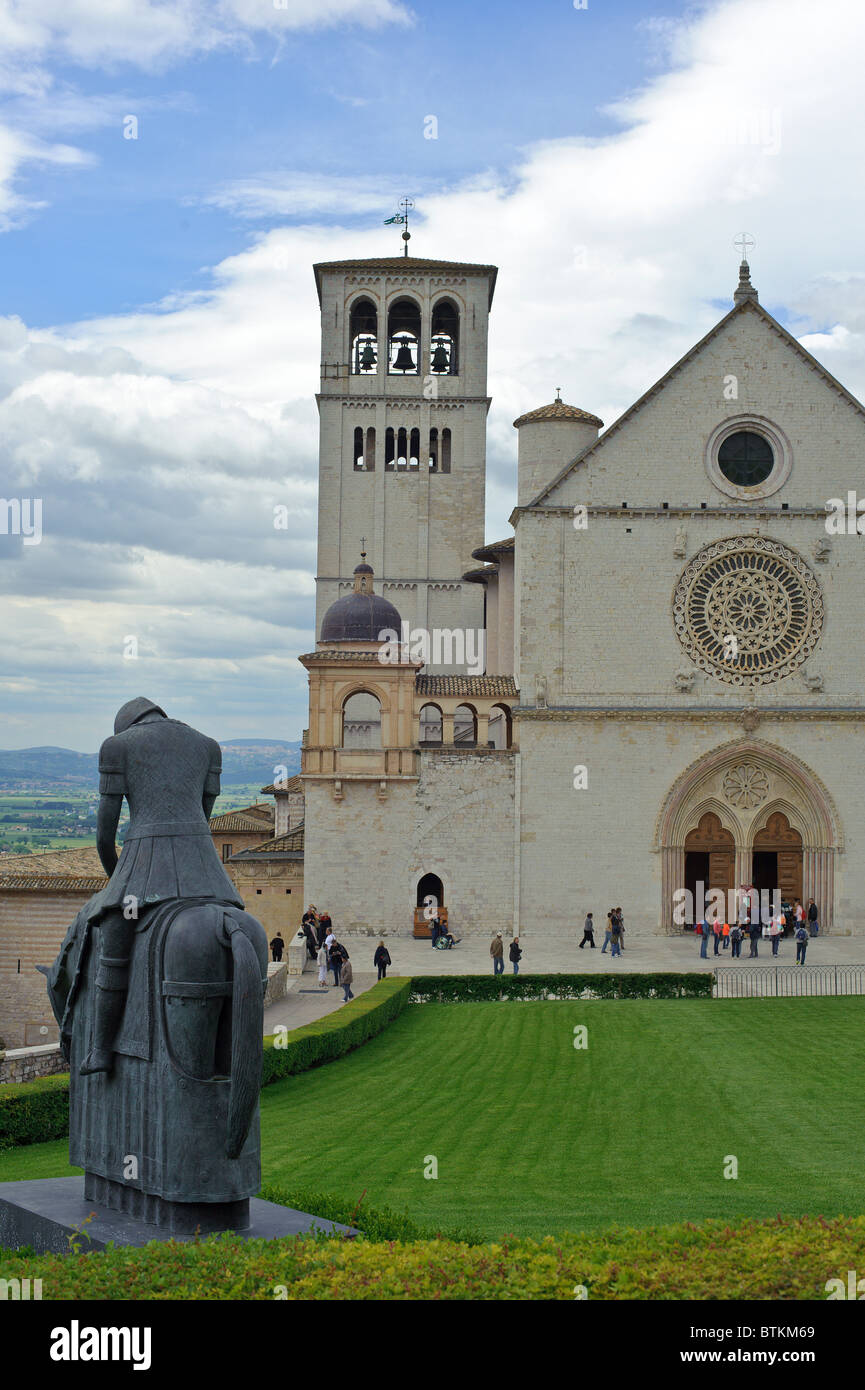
[45,1213]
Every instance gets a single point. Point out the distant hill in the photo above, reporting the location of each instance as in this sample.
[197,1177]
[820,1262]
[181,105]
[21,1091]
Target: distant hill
[243,760]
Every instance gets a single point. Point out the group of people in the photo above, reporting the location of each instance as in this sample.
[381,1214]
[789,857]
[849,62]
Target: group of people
[804,922]
[330,954]
[497,951]
[614,935]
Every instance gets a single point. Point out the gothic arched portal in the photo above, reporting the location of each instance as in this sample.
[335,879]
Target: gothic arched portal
[764,807]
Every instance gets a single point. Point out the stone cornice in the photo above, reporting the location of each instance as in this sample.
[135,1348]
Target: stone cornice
[708,713]
[740,510]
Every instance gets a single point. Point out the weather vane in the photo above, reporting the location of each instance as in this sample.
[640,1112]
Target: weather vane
[400,219]
[744,242]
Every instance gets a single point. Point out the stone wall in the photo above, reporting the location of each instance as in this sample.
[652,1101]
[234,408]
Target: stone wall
[366,853]
[29,1063]
[33,924]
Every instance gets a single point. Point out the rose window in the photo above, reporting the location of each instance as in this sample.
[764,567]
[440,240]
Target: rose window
[748,610]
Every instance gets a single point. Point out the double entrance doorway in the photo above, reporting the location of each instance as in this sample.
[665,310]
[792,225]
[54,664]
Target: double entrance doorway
[773,864]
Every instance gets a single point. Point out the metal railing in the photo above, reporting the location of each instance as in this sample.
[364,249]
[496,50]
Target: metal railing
[787,981]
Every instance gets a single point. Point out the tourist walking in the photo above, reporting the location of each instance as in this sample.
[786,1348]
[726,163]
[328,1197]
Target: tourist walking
[615,936]
[735,941]
[801,943]
[621,917]
[311,940]
[705,933]
[608,933]
[325,926]
[515,954]
[716,932]
[497,951]
[588,932]
[345,979]
[774,933]
[813,918]
[322,966]
[381,960]
[754,933]
[277,946]
[725,935]
[337,957]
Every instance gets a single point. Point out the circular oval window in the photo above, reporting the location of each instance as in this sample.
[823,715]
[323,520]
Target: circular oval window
[746,458]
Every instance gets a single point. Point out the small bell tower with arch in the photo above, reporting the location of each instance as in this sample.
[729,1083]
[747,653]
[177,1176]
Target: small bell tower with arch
[402,433]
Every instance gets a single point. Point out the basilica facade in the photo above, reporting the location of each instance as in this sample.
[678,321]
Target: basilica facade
[669,697]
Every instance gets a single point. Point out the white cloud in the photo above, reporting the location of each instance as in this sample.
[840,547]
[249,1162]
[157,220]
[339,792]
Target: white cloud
[164,437]
[149,33]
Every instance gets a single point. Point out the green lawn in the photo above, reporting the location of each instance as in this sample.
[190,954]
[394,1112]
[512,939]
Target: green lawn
[533,1136]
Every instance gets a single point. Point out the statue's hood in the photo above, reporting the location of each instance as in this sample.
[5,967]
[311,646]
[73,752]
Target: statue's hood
[133,710]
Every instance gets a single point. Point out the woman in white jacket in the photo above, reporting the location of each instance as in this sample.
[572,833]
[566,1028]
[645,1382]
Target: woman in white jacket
[322,966]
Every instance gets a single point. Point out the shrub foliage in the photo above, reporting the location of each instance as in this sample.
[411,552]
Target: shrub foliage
[330,1037]
[781,1259]
[454,989]
[34,1111]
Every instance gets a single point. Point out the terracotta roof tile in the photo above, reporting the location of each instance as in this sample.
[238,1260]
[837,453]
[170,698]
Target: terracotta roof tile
[292,784]
[465,685]
[558,410]
[290,843]
[83,863]
[245,820]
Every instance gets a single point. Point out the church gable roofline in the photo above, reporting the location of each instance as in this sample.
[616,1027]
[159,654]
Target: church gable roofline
[407,265]
[745,306]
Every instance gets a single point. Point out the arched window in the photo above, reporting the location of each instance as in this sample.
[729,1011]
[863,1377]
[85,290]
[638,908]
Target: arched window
[433,450]
[430,726]
[444,342]
[465,726]
[361,721]
[389,447]
[402,448]
[363,334]
[403,338]
[446,451]
[358,447]
[499,727]
[414,449]
[369,457]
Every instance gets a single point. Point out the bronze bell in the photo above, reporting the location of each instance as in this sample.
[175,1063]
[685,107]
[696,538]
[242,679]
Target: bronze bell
[367,357]
[404,361]
[440,359]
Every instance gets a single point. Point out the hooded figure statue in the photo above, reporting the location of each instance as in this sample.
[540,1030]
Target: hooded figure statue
[169,774]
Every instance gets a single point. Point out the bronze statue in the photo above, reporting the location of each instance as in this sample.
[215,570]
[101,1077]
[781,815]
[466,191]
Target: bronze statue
[158,990]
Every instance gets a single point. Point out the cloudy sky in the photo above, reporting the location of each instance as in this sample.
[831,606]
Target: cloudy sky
[170,170]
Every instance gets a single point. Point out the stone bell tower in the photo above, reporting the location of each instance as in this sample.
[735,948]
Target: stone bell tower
[402,456]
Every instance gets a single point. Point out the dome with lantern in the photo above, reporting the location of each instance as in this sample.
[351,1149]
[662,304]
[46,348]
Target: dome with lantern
[362,615]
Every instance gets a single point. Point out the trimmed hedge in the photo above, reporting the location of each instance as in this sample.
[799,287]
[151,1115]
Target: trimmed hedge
[782,1260]
[375,1223]
[459,989]
[337,1033]
[32,1112]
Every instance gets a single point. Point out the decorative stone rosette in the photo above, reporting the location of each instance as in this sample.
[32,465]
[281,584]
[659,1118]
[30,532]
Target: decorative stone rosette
[748,610]
[745,786]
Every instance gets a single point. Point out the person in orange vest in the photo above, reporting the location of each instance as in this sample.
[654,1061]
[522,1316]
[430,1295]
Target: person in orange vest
[725,934]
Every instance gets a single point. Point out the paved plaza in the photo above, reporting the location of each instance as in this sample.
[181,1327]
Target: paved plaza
[305,1001]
